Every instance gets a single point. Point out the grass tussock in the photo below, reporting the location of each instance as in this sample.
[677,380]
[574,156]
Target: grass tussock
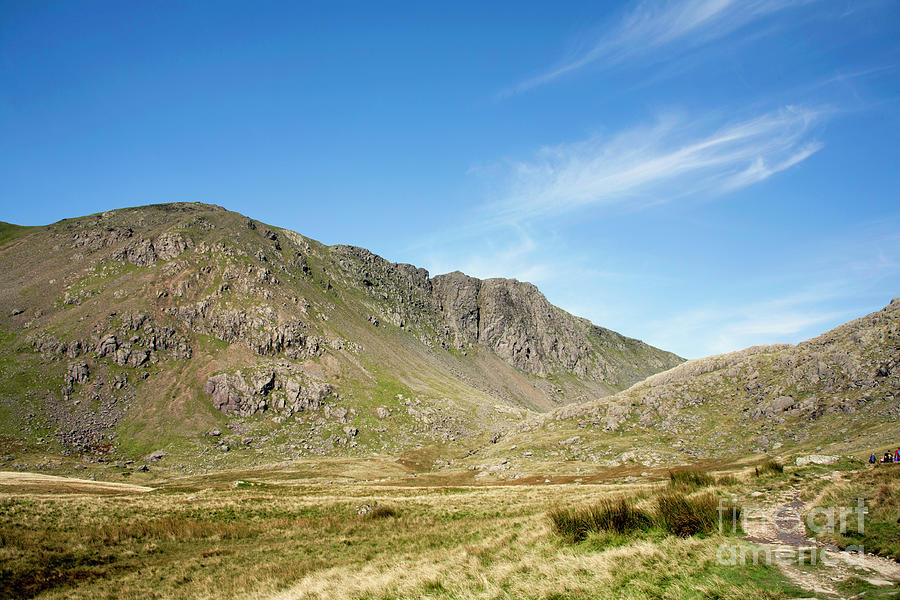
[382,511]
[691,479]
[618,515]
[769,467]
[674,512]
[684,515]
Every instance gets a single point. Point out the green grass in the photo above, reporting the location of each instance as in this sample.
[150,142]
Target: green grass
[9,231]
[860,588]
[382,511]
[879,488]
[726,480]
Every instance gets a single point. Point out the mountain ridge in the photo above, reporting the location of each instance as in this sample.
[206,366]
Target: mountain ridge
[837,390]
[149,326]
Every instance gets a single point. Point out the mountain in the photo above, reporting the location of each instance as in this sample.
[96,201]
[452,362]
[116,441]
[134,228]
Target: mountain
[838,393]
[219,340]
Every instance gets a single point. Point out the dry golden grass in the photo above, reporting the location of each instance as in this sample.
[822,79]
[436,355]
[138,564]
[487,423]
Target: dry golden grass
[307,541]
[36,483]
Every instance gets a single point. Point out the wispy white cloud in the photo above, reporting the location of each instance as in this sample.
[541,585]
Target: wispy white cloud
[659,28]
[672,158]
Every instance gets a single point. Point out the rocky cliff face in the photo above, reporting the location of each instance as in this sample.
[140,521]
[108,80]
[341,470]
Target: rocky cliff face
[510,318]
[516,322]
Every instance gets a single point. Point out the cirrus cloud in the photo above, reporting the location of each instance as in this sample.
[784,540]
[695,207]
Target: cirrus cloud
[672,158]
[657,30]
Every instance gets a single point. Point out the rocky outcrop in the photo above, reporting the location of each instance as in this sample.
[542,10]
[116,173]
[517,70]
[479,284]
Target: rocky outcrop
[100,237]
[135,342]
[518,323]
[301,396]
[403,292]
[144,253]
[231,394]
[511,318]
[246,395]
[261,329]
[77,372]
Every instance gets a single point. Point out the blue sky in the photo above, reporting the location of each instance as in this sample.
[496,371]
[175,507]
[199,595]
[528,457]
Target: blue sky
[703,175]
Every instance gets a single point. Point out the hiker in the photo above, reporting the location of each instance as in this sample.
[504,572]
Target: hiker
[897,456]
[887,458]
[872,459]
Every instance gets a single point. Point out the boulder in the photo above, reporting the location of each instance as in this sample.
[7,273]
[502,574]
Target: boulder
[782,403]
[155,456]
[816,459]
[338,413]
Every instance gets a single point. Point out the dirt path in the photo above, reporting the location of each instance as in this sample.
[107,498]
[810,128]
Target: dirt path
[779,529]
